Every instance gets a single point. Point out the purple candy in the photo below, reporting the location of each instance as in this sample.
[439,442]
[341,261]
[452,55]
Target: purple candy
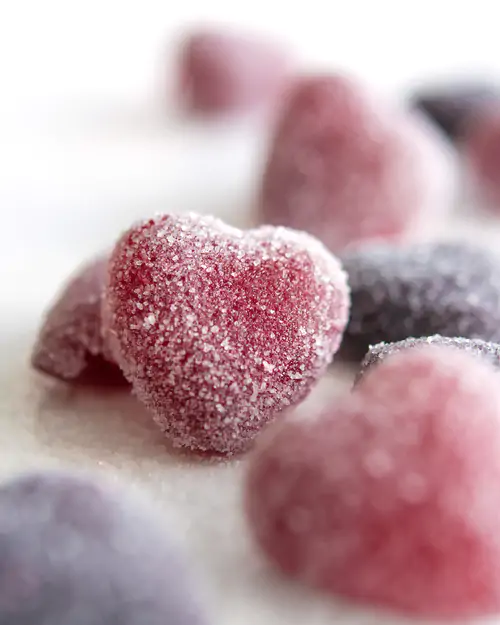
[73,552]
[476,347]
[451,289]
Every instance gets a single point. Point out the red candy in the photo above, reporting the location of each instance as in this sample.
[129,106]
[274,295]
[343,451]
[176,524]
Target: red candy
[347,170]
[481,147]
[390,496]
[218,329]
[224,73]
[69,344]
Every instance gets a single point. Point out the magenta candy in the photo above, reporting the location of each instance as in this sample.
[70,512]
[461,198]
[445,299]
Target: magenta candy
[69,344]
[347,169]
[218,329]
[389,497]
[453,105]
[481,149]
[226,73]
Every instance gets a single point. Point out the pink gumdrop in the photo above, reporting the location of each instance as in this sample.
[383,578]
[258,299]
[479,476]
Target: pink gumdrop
[347,169]
[390,496]
[224,73]
[218,329]
[69,344]
[481,149]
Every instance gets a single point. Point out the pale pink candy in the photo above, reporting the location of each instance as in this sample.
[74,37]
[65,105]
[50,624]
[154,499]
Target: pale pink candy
[226,73]
[391,496]
[348,168]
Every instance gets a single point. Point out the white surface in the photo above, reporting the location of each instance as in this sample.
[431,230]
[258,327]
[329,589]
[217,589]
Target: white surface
[86,147]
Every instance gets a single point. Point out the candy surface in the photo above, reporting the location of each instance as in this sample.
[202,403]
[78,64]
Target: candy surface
[390,496]
[224,73]
[451,289]
[219,329]
[453,106]
[347,169]
[69,344]
[476,347]
[78,553]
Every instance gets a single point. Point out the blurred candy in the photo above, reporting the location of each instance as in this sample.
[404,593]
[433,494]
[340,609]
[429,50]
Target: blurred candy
[390,496]
[218,329]
[74,552]
[481,349]
[481,150]
[347,169]
[451,289]
[69,344]
[453,106]
[224,73]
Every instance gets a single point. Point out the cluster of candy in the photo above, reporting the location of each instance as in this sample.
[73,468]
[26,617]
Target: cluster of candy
[389,495]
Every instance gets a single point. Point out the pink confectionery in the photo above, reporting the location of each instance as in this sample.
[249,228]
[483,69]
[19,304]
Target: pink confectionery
[226,73]
[348,169]
[481,149]
[69,344]
[218,329]
[389,497]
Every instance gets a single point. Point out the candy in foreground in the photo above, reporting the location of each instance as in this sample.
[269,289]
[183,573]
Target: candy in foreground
[69,344]
[348,169]
[390,496]
[481,149]
[74,552]
[218,329]
[475,347]
[453,106]
[451,289]
[226,73]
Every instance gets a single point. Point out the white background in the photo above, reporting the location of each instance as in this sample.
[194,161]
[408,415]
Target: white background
[88,143]
[84,129]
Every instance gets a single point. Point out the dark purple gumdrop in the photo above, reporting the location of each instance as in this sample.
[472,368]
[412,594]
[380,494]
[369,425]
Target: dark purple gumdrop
[73,552]
[476,347]
[452,106]
[451,289]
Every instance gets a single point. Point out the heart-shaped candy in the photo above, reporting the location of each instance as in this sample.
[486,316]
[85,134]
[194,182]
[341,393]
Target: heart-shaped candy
[69,344]
[390,495]
[218,329]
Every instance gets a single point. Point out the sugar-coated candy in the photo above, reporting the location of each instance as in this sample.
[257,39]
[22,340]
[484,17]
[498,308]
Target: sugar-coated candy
[226,73]
[450,288]
[452,106]
[69,344]
[476,347]
[347,168]
[77,552]
[389,497]
[480,147]
[219,329]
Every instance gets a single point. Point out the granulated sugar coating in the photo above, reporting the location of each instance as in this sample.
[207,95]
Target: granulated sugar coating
[452,106]
[481,149]
[69,345]
[227,73]
[347,169]
[219,329]
[476,347]
[78,553]
[391,496]
[451,289]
